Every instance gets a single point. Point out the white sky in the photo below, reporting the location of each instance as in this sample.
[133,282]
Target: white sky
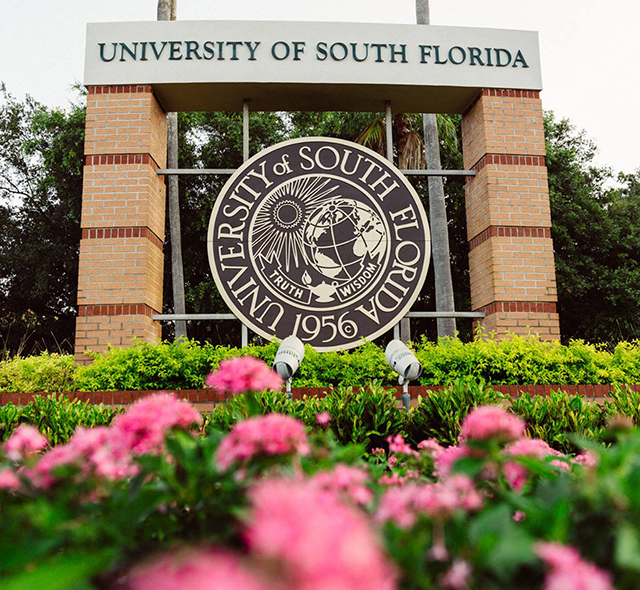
[590,50]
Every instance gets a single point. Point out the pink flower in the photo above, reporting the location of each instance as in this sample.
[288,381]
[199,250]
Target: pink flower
[350,481]
[193,569]
[530,447]
[395,479]
[490,422]
[322,543]
[446,459]
[587,459]
[431,447]
[517,475]
[145,425]
[270,435]
[96,452]
[398,446]
[9,480]
[25,441]
[323,418]
[403,505]
[569,571]
[519,516]
[242,374]
[457,577]
[378,451]
[393,461]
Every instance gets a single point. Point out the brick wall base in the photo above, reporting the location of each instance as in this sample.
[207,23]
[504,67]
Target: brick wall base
[210,396]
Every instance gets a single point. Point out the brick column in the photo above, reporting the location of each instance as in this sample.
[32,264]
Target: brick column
[508,216]
[123,218]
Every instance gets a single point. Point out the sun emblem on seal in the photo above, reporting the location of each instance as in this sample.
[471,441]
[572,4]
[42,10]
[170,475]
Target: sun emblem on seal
[312,241]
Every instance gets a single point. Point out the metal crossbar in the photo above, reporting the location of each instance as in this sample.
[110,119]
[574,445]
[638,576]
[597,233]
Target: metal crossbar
[230,171]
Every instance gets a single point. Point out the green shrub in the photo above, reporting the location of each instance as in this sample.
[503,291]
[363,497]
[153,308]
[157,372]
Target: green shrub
[185,364]
[526,360]
[625,402]
[440,414]
[365,415]
[555,418]
[55,416]
[47,372]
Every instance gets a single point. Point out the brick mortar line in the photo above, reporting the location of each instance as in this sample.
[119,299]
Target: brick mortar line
[105,233]
[120,160]
[118,309]
[119,89]
[508,231]
[508,160]
[519,307]
[503,93]
[210,395]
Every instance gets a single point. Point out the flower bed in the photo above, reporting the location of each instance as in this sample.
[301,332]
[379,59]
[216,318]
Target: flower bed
[162,499]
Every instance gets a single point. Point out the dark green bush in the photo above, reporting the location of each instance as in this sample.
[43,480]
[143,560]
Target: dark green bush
[555,418]
[439,414]
[55,417]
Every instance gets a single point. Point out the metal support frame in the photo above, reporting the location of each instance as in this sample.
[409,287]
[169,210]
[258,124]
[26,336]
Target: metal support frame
[245,156]
[244,330]
[230,171]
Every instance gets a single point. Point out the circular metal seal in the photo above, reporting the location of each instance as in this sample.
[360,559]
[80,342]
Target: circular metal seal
[319,238]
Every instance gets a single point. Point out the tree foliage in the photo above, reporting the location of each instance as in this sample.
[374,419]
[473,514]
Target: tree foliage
[41,157]
[596,236]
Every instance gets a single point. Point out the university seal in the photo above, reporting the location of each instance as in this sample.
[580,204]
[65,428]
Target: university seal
[319,238]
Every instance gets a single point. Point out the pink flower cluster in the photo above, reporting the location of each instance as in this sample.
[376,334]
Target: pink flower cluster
[106,453]
[25,441]
[403,505]
[430,446]
[242,374]
[270,435]
[144,426]
[193,569]
[94,451]
[322,543]
[399,447]
[492,422]
[569,571]
[350,481]
[517,475]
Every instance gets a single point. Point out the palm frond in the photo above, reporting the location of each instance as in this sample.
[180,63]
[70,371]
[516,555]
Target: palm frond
[412,156]
[373,136]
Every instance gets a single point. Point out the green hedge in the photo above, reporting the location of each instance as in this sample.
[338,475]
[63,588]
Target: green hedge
[368,415]
[184,365]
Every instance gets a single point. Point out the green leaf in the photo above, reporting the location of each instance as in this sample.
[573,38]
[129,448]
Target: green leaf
[627,551]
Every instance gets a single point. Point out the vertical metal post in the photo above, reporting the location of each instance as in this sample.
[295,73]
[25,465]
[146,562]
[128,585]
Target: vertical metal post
[245,157]
[389,141]
[245,130]
[403,330]
[389,129]
[406,396]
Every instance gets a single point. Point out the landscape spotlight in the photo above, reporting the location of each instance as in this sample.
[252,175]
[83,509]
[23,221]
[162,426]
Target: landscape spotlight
[405,363]
[288,359]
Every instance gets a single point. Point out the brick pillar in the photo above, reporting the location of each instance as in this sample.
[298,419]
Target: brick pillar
[123,218]
[508,216]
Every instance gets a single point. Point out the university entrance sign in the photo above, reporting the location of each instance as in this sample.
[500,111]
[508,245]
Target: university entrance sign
[319,238]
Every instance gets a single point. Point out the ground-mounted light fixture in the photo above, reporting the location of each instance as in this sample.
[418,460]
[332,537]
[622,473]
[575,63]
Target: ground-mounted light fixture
[404,362]
[288,359]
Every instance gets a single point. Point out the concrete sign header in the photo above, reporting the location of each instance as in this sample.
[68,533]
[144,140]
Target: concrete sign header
[215,65]
[319,238]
